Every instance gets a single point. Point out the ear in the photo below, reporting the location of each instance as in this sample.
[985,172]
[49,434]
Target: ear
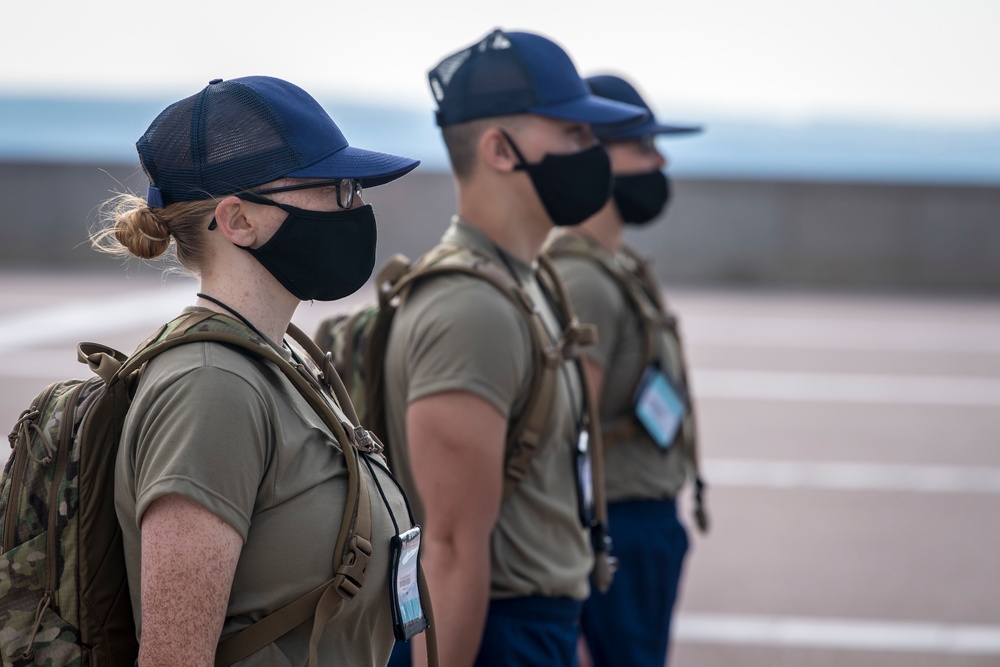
[495,150]
[233,222]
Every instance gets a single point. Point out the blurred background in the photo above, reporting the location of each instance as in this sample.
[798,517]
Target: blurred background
[832,250]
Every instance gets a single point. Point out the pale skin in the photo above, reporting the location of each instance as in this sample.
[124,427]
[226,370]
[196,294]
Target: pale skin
[189,555]
[456,439]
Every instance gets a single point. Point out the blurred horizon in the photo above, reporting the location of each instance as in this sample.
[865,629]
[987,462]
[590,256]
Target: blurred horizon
[50,128]
[886,91]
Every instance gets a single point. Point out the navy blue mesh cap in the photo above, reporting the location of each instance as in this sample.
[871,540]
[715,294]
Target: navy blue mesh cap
[508,73]
[238,134]
[616,88]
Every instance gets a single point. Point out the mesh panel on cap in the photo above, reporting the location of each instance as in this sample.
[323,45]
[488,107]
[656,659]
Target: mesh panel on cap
[493,82]
[220,141]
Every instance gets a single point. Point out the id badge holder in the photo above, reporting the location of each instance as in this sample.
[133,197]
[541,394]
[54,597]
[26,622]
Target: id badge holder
[659,406]
[408,618]
[585,478]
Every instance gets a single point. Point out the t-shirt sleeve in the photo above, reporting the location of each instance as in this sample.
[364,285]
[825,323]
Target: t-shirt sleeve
[596,300]
[205,437]
[469,337]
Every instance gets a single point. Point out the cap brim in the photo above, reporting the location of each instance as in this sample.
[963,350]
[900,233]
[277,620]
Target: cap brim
[643,129]
[369,167]
[593,109]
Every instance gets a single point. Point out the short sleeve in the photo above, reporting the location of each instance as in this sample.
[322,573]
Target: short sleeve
[469,337]
[596,300]
[204,436]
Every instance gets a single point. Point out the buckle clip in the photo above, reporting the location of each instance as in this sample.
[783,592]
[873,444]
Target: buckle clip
[351,573]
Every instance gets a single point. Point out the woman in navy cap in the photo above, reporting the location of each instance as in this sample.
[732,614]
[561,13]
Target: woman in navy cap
[230,488]
[638,371]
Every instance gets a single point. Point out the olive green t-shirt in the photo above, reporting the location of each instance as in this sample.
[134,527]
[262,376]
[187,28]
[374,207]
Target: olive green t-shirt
[459,333]
[635,469]
[231,433]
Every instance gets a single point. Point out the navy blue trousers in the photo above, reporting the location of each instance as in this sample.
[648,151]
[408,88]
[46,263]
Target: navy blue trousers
[630,624]
[522,632]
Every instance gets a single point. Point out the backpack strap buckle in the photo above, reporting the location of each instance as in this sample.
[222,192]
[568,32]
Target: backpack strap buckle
[351,573]
[365,441]
[574,337]
[520,456]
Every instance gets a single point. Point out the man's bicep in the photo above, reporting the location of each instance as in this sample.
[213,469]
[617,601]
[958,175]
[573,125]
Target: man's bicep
[470,339]
[456,443]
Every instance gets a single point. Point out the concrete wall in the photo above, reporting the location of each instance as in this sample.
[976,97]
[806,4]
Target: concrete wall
[768,233]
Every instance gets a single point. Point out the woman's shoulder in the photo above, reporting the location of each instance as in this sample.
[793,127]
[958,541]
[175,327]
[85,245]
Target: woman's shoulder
[210,363]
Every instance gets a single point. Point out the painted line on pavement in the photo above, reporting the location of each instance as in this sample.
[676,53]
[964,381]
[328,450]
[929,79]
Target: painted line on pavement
[846,387]
[842,634]
[72,320]
[849,476]
[842,334]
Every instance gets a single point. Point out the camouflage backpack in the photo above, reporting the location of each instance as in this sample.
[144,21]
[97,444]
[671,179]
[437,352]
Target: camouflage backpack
[64,597]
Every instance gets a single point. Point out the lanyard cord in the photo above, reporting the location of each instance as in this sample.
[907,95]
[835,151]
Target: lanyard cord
[237,315]
[381,492]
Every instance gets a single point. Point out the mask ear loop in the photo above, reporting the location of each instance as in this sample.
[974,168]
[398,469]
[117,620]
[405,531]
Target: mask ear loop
[254,198]
[523,164]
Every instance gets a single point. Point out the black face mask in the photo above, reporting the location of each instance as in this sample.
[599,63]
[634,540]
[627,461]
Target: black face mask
[321,255]
[641,197]
[572,187]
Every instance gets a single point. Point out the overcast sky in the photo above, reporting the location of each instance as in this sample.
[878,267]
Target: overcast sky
[914,62]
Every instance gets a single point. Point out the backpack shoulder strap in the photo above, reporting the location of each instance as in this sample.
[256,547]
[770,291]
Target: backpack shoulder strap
[639,284]
[646,304]
[354,541]
[524,436]
[604,563]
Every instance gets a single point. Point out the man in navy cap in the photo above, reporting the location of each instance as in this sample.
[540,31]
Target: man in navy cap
[507,561]
[638,373]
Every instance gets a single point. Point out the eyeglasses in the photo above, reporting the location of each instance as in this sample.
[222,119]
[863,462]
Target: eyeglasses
[347,189]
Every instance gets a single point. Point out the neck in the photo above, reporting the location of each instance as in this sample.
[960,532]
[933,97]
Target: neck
[606,228]
[518,229]
[253,293]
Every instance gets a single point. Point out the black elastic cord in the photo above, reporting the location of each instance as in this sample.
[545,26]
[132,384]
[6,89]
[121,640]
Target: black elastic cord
[234,313]
[523,163]
[381,492]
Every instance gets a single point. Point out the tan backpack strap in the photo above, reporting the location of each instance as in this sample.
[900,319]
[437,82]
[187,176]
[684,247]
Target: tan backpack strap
[103,360]
[319,603]
[524,437]
[391,273]
[652,291]
[604,563]
[570,243]
[350,575]
[648,280]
